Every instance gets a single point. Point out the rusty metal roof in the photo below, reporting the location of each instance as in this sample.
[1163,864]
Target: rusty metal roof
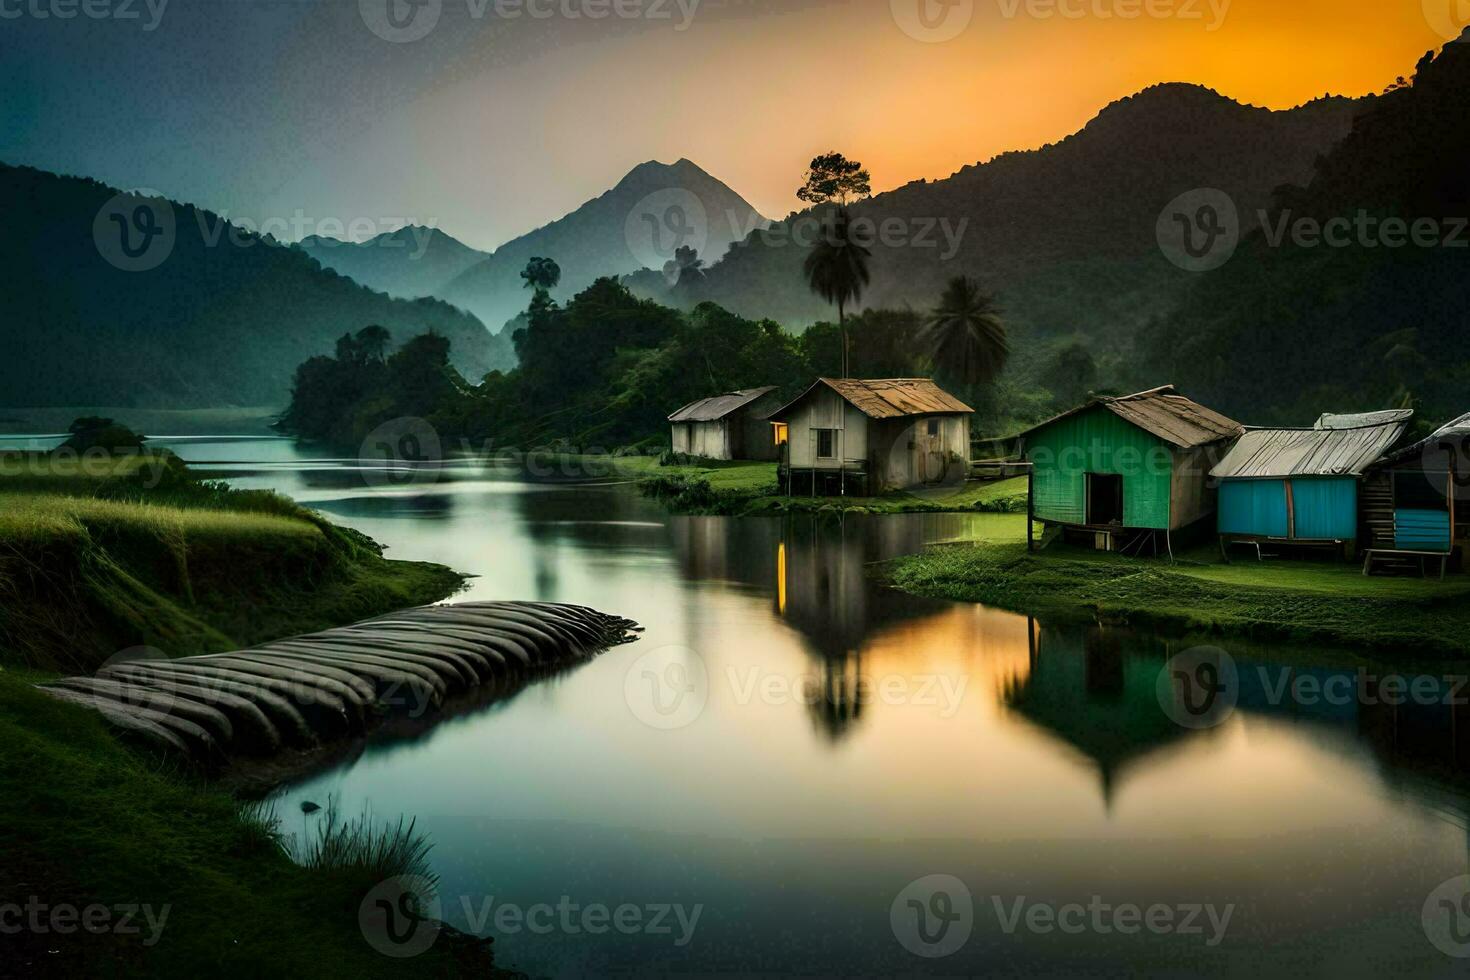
[1332,449]
[717,407]
[890,398]
[1164,413]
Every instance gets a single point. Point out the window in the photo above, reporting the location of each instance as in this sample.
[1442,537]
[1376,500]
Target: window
[933,427]
[826,443]
[783,434]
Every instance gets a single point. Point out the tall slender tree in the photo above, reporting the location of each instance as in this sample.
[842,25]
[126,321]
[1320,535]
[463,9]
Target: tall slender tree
[965,336]
[837,270]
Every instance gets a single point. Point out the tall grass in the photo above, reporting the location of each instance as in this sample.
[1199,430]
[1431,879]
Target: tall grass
[364,848]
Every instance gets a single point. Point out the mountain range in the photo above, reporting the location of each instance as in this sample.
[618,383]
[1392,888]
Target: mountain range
[1065,235]
[112,298]
[410,263]
[638,224]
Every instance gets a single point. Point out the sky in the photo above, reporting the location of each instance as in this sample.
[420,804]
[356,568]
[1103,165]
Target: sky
[488,118]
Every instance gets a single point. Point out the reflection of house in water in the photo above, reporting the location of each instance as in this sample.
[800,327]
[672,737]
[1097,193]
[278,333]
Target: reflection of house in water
[1095,689]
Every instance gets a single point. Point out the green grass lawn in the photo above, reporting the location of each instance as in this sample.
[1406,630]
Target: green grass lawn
[1322,602]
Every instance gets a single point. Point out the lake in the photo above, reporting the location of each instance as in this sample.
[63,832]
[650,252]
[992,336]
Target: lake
[795,770]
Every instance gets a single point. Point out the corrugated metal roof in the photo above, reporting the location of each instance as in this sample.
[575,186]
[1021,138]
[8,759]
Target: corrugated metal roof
[1450,432]
[890,398]
[717,407]
[1364,419]
[1329,450]
[1165,413]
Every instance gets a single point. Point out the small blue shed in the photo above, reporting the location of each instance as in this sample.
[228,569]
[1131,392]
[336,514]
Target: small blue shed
[1300,486]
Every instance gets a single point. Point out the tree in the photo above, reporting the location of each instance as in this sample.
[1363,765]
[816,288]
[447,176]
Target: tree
[1071,375]
[832,177]
[542,275]
[965,336]
[372,343]
[685,260]
[837,270]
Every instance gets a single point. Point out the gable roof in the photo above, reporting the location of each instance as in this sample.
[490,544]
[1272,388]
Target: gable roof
[1450,432]
[890,398]
[717,407]
[1333,448]
[1162,412]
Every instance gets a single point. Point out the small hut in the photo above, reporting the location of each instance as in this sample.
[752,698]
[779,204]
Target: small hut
[850,436]
[1116,473]
[1416,502]
[729,426]
[1300,486]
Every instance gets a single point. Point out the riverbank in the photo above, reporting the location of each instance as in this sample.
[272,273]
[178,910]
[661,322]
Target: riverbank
[740,489]
[101,555]
[1318,602]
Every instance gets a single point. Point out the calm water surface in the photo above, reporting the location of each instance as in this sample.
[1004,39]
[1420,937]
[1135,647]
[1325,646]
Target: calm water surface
[793,801]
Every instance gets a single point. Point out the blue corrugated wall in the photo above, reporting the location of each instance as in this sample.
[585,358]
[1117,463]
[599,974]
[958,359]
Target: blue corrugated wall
[1253,507]
[1326,508]
[1421,530]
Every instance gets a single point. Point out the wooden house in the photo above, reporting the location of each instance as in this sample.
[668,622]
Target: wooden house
[1117,473]
[1416,502]
[1301,486]
[851,436]
[729,426]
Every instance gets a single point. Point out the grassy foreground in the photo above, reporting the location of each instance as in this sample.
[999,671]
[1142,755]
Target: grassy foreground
[104,554]
[1328,603]
[97,556]
[745,489]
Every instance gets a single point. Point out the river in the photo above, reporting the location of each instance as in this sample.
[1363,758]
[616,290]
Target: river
[793,754]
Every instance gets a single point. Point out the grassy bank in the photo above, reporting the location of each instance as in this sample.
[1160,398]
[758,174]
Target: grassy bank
[1329,603]
[100,555]
[96,558]
[745,488]
[86,822]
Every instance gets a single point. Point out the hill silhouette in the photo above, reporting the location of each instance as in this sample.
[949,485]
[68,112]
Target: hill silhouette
[637,224]
[1294,323]
[409,263]
[1064,234]
[185,310]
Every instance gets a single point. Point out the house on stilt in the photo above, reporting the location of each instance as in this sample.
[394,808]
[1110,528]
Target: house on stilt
[1300,486]
[1127,473]
[1416,504]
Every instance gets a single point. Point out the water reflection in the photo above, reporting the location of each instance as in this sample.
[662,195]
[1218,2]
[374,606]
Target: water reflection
[854,740]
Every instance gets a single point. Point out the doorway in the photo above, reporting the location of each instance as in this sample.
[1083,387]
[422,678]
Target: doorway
[1104,498]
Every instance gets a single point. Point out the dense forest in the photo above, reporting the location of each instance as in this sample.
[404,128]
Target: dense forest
[1367,312]
[607,369]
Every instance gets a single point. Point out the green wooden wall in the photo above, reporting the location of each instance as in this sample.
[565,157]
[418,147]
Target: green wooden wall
[1097,441]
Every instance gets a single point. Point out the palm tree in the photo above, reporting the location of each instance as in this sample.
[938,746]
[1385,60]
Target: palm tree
[965,336]
[837,270]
